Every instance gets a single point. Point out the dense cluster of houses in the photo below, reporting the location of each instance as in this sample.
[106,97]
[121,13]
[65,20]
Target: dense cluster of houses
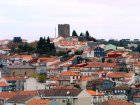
[101,75]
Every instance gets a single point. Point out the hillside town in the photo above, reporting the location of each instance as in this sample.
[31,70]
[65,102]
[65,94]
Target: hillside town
[69,70]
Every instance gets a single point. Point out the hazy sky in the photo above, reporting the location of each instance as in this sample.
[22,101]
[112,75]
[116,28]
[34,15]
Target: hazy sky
[31,19]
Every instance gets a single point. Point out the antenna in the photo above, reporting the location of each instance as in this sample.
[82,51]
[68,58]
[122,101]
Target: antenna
[55,32]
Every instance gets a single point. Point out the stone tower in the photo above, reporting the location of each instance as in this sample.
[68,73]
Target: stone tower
[64,30]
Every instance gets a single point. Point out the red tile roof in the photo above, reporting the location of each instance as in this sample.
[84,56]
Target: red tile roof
[120,75]
[94,93]
[3,84]
[69,73]
[81,65]
[39,102]
[85,78]
[94,65]
[26,57]
[56,78]
[53,69]
[74,57]
[99,64]
[65,87]
[117,102]
[47,59]
[7,95]
[67,65]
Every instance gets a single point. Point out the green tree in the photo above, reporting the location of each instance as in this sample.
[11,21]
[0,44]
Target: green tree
[123,70]
[87,34]
[78,52]
[109,61]
[138,48]
[42,78]
[77,86]
[103,60]
[81,34]
[40,45]
[74,33]
[44,46]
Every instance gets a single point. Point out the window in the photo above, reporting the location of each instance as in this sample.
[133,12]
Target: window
[25,73]
[13,73]
[73,77]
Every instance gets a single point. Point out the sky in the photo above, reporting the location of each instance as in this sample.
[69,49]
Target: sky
[106,19]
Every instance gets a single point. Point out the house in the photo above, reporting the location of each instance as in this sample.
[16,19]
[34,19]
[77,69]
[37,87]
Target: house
[122,92]
[16,59]
[132,45]
[93,52]
[98,74]
[21,70]
[4,86]
[82,82]
[90,68]
[93,67]
[99,52]
[109,66]
[33,84]
[88,53]
[136,67]
[19,100]
[54,79]
[67,96]
[51,72]
[4,42]
[97,97]
[4,96]
[14,83]
[100,85]
[110,47]
[117,102]
[75,60]
[48,60]
[52,82]
[136,40]
[70,44]
[136,98]
[43,63]
[68,78]
[120,78]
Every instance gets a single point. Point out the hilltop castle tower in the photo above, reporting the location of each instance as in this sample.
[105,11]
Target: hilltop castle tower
[64,30]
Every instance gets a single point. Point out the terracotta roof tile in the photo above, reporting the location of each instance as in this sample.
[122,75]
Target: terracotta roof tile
[39,102]
[7,95]
[3,84]
[19,99]
[57,92]
[85,78]
[47,59]
[120,75]
[117,102]
[94,93]
[26,57]
[53,69]
[65,87]
[69,73]
[55,78]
